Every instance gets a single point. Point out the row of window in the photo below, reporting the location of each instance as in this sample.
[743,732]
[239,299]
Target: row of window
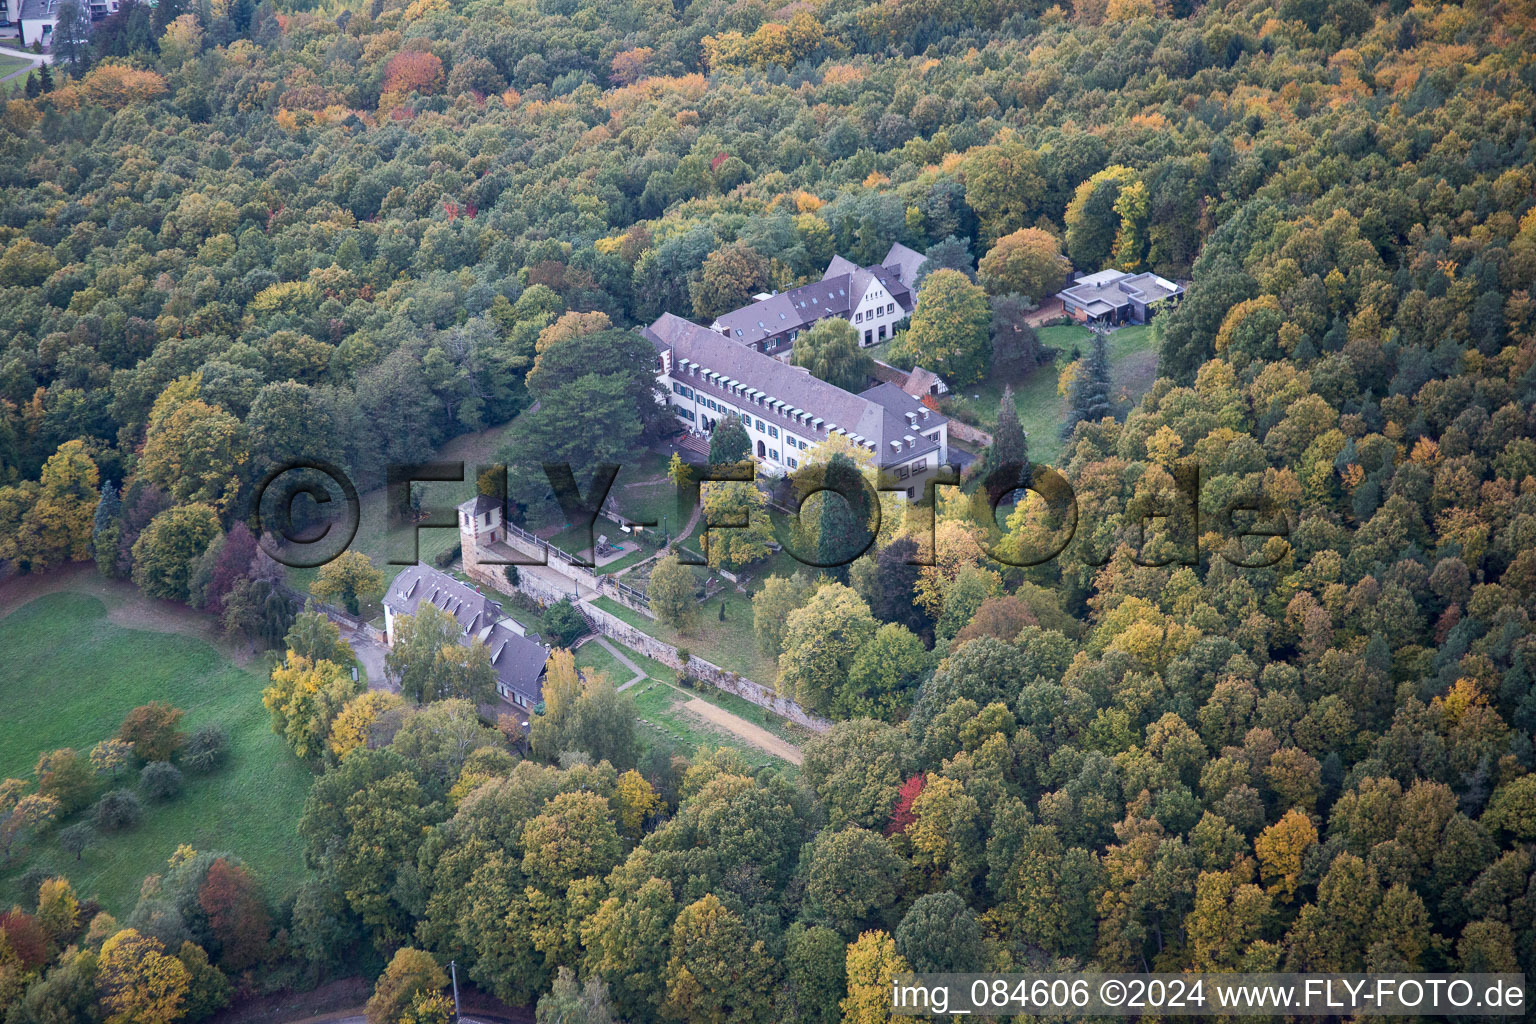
[885,310]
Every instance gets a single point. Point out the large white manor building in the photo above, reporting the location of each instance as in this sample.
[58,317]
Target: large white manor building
[787,411]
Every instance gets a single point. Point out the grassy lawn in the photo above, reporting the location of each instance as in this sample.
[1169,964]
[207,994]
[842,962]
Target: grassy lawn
[372,537]
[74,674]
[594,656]
[729,644]
[1133,366]
[9,65]
[663,720]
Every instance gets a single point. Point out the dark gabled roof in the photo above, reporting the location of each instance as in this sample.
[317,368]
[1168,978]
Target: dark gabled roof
[518,661]
[878,416]
[836,294]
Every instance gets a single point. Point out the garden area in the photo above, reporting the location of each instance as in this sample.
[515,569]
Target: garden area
[1133,366]
[74,675]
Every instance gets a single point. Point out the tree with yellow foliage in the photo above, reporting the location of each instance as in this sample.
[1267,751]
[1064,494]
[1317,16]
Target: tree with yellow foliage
[1281,848]
[355,722]
[872,964]
[140,982]
[304,698]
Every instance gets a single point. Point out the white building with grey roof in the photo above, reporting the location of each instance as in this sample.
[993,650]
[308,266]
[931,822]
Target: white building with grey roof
[518,661]
[874,299]
[786,410]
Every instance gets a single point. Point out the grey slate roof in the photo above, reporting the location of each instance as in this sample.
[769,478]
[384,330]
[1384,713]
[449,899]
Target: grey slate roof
[518,661]
[836,294]
[39,10]
[905,262]
[877,415]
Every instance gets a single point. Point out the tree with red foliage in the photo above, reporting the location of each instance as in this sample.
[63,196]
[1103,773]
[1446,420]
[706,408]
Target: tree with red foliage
[413,71]
[902,815]
[25,937]
[234,562]
[236,915]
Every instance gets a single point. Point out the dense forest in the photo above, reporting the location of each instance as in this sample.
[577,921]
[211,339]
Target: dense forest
[235,234]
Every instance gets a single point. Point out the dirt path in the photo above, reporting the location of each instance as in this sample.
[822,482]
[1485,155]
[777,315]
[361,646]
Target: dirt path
[753,734]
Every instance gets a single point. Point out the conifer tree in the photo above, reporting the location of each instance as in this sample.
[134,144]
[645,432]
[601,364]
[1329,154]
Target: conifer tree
[1090,391]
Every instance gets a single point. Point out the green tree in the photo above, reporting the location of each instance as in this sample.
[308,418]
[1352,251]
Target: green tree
[673,594]
[728,443]
[349,578]
[737,530]
[854,880]
[940,934]
[1016,348]
[814,975]
[949,331]
[884,675]
[1002,184]
[771,606]
[165,552]
[831,351]
[1089,399]
[568,1002]
[424,656]
[314,636]
[1093,222]
[821,640]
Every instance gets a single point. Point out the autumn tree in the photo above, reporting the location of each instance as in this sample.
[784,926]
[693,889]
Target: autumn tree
[872,966]
[1027,262]
[237,917]
[728,279]
[349,578]
[139,981]
[153,731]
[304,698]
[718,971]
[411,973]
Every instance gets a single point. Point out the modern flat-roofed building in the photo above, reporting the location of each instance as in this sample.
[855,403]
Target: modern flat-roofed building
[1115,297]
[786,410]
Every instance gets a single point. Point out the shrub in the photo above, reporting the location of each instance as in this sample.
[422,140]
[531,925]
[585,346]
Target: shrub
[446,558]
[117,810]
[563,623]
[206,750]
[161,781]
